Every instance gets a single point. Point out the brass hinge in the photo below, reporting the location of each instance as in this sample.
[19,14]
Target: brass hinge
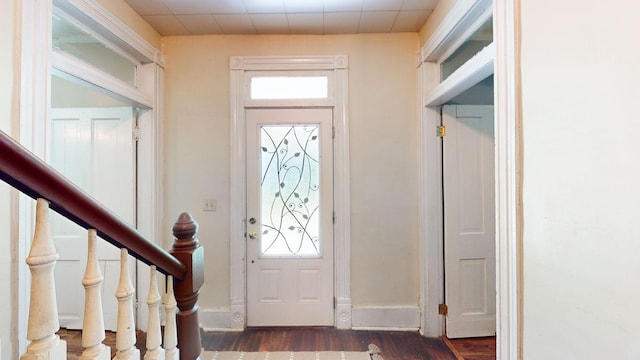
[443,309]
[441,131]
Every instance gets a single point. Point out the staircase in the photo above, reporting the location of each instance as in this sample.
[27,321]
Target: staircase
[183,267]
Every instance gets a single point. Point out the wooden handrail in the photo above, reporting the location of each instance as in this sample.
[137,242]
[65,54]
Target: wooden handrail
[23,170]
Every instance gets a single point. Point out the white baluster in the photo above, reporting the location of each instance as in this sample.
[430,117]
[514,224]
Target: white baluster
[43,309]
[126,329]
[170,331]
[154,350]
[93,323]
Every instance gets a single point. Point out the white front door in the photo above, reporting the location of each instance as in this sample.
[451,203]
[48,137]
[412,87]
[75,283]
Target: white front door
[289,217]
[94,148]
[469,217]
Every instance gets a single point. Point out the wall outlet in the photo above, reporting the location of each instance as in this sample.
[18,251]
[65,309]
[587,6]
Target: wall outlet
[210,205]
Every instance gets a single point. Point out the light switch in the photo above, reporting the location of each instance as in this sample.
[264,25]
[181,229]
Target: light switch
[210,205]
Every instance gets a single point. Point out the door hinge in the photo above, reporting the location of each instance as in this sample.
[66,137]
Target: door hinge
[443,309]
[136,133]
[334,302]
[333,132]
[334,217]
[441,131]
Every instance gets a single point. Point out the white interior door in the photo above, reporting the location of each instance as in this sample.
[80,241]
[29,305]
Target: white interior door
[94,148]
[289,217]
[469,216]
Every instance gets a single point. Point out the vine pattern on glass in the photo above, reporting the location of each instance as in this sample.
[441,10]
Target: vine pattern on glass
[290,190]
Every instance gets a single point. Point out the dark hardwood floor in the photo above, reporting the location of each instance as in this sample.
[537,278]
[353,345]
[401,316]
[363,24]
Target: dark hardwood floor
[394,345]
[482,348]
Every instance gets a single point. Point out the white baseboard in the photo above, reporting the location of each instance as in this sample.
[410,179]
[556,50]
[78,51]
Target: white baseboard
[403,318]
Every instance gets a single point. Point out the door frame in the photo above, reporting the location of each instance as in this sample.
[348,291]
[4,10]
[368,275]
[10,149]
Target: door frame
[507,105]
[457,324]
[338,100]
[30,129]
[461,21]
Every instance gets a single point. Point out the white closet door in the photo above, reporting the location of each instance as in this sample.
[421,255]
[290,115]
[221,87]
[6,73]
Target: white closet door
[469,216]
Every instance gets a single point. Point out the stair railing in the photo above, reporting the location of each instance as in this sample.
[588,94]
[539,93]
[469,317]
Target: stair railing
[184,266]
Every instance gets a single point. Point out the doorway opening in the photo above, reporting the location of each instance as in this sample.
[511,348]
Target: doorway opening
[457,72]
[469,240]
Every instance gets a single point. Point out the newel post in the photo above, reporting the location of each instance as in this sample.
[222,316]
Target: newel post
[189,252]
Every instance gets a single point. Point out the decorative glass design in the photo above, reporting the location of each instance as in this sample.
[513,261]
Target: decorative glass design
[290,190]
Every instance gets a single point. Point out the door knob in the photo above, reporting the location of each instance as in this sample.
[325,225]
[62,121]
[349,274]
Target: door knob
[253,235]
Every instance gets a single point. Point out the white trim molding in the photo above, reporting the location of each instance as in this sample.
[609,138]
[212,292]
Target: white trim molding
[111,28]
[456,24]
[239,66]
[431,211]
[508,120]
[75,70]
[35,86]
[264,63]
[149,187]
[470,73]
[238,202]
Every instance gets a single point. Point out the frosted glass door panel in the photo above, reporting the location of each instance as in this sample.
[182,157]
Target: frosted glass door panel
[289,191]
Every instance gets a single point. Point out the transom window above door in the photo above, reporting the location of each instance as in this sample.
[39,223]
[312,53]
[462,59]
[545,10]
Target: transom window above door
[288,88]
[480,38]
[71,37]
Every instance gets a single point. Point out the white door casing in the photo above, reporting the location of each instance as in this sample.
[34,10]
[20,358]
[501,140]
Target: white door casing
[469,216]
[240,67]
[94,148]
[290,210]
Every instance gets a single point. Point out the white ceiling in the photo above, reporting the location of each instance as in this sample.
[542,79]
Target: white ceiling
[200,17]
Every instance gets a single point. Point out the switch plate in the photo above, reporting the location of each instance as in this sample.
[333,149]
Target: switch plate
[210,205]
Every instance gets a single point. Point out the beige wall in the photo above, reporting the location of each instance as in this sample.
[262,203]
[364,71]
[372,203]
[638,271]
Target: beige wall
[383,127]
[7,76]
[581,171]
[125,13]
